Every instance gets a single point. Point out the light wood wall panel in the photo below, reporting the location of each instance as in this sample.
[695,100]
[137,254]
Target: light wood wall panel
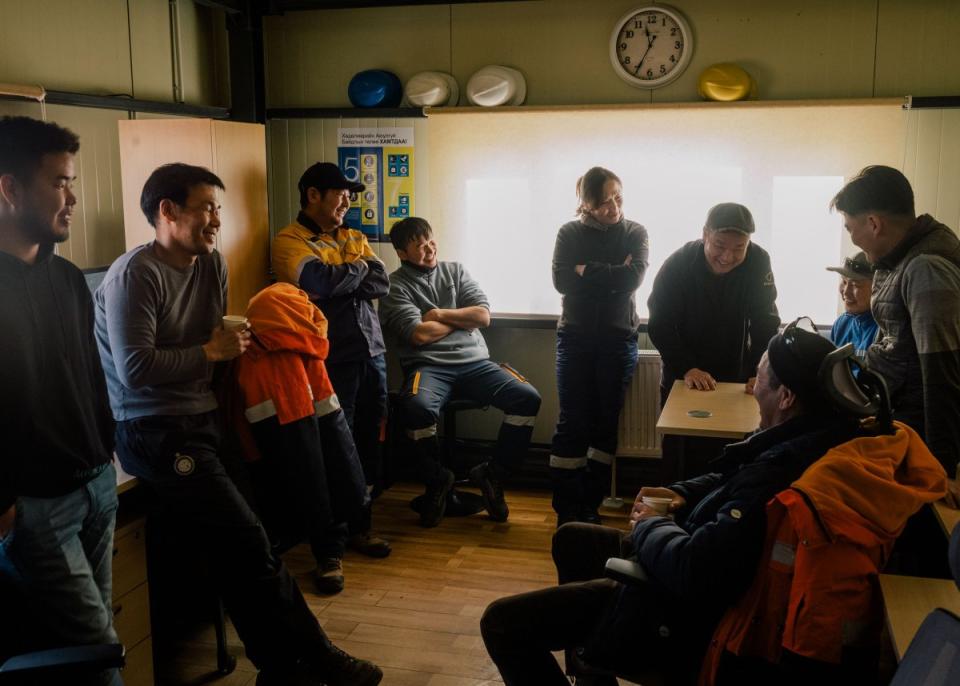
[918,52]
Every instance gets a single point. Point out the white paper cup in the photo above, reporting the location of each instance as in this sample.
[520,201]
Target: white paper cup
[658,505]
[232,322]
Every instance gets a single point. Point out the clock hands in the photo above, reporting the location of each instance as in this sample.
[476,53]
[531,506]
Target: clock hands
[650,40]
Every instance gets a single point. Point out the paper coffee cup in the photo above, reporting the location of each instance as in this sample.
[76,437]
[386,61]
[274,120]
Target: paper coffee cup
[234,321]
[659,505]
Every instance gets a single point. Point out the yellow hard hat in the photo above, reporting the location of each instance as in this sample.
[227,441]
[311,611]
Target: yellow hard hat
[726,82]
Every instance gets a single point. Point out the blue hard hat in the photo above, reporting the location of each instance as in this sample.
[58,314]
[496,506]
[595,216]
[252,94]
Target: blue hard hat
[375,88]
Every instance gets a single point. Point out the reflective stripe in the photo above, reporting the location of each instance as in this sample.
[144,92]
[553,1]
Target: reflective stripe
[259,412]
[325,407]
[518,420]
[517,375]
[303,263]
[416,384]
[417,434]
[599,456]
[783,553]
[568,462]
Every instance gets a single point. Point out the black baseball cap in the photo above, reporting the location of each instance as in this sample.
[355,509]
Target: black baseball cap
[730,216]
[796,355]
[324,176]
[856,267]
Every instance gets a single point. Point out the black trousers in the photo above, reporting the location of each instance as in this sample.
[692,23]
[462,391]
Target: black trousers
[176,459]
[521,631]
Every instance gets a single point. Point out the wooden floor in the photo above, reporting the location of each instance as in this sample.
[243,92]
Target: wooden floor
[416,613]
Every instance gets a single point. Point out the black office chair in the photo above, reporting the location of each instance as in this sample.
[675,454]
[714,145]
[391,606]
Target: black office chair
[63,665]
[459,503]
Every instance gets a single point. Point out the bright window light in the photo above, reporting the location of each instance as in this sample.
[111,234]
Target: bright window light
[502,183]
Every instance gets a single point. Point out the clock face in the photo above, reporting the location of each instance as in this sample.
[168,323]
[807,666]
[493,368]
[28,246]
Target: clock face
[651,46]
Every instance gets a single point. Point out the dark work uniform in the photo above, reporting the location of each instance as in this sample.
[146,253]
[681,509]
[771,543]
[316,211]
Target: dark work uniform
[718,323]
[596,355]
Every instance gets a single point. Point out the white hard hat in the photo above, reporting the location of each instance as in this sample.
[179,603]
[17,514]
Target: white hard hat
[432,89]
[496,85]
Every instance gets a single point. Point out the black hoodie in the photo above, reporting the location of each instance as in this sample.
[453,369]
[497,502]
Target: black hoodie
[55,420]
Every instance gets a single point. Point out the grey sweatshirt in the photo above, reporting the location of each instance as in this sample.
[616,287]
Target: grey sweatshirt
[151,323]
[414,291]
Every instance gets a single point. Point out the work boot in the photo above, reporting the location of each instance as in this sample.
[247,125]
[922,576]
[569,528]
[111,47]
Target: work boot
[435,499]
[336,668]
[328,576]
[370,545]
[492,492]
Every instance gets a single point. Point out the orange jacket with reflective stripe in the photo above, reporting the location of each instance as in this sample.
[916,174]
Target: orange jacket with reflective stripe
[283,374]
[828,535]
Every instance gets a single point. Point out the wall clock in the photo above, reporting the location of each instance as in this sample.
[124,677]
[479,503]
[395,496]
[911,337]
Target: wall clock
[651,46]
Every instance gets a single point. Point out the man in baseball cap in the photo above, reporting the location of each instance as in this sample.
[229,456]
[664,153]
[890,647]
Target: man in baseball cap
[856,325]
[338,269]
[712,311]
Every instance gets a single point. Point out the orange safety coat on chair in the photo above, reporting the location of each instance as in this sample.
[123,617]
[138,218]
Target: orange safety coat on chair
[828,535]
[283,374]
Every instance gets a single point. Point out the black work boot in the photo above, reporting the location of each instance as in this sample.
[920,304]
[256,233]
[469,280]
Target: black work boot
[336,668]
[492,490]
[435,498]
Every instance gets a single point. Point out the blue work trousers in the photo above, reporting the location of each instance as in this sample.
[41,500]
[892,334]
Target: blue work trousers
[593,373]
[361,387]
[428,388]
[58,556]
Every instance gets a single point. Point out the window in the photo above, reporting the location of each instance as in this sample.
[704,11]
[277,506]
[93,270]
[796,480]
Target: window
[502,182]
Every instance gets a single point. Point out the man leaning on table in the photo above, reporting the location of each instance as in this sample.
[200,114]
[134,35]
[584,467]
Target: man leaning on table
[712,312]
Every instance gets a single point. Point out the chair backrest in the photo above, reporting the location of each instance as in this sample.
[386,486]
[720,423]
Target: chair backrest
[933,658]
[865,395]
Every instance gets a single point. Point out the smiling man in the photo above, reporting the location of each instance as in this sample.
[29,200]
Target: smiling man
[335,265]
[916,302]
[57,484]
[712,311]
[158,324]
[856,325]
[436,310]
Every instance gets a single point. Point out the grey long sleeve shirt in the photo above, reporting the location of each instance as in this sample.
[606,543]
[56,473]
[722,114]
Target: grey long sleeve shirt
[151,323]
[415,291]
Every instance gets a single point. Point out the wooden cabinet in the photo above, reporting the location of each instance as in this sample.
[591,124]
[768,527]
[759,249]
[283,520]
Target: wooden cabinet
[234,151]
[131,601]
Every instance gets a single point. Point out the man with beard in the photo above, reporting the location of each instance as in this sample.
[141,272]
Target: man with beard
[58,497]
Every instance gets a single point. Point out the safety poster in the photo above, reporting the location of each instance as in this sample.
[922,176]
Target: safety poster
[382,160]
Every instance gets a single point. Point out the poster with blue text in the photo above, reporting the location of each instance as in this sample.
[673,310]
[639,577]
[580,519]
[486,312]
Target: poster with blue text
[382,160]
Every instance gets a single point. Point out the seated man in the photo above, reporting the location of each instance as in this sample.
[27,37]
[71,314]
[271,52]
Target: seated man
[435,311]
[856,325]
[697,565]
[158,326]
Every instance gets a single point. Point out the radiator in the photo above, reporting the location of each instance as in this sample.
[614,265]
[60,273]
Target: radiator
[641,407]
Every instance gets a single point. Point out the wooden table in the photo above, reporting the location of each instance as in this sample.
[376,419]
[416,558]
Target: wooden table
[908,600]
[733,413]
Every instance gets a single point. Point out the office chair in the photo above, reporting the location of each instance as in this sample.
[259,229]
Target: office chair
[64,665]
